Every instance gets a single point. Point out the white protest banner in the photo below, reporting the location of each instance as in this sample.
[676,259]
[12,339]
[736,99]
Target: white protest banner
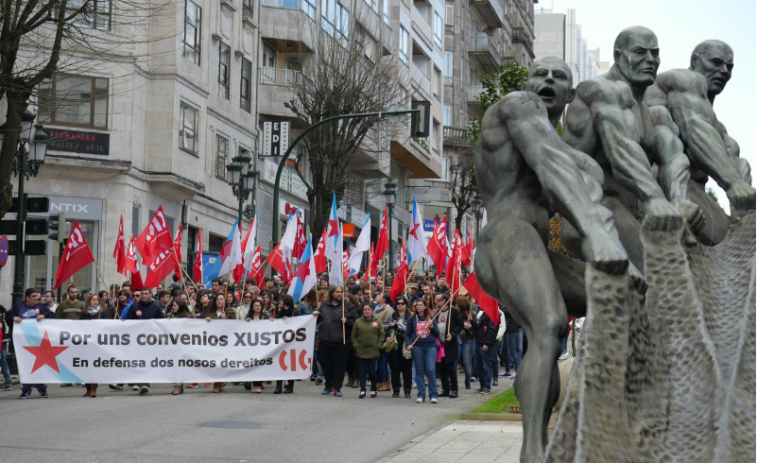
[163,351]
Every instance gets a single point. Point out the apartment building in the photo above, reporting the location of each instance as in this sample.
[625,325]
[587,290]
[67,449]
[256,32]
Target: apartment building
[150,121]
[410,31]
[558,34]
[480,35]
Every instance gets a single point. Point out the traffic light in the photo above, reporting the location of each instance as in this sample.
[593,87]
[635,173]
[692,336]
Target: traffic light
[57,228]
[420,122]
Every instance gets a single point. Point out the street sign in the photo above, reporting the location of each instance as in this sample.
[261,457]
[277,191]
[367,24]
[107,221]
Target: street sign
[275,138]
[32,248]
[3,250]
[33,227]
[34,205]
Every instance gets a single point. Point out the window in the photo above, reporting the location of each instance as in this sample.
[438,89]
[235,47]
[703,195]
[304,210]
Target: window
[448,59]
[189,120]
[75,100]
[445,168]
[447,115]
[248,8]
[335,19]
[269,56]
[224,61]
[404,43]
[373,4]
[246,86]
[438,28]
[96,14]
[387,8]
[308,6]
[449,17]
[222,154]
[192,31]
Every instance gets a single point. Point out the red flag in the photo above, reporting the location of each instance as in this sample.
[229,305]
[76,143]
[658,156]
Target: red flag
[131,257]
[321,264]
[457,247]
[162,266]
[238,272]
[197,270]
[136,280]
[371,270]
[383,239]
[119,252]
[466,257]
[280,263]
[155,238]
[177,252]
[400,278]
[75,255]
[300,241]
[437,246]
[256,271]
[487,303]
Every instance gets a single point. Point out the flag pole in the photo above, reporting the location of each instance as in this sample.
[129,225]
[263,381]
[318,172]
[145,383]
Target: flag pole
[344,330]
[436,314]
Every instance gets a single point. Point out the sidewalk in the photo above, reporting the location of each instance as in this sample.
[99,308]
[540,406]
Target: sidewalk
[465,441]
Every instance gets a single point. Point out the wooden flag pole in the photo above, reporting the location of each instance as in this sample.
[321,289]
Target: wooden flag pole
[435,315]
[344,330]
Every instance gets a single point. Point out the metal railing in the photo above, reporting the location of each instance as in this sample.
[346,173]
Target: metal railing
[275,76]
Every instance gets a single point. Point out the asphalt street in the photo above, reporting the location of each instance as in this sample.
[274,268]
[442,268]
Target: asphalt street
[234,426]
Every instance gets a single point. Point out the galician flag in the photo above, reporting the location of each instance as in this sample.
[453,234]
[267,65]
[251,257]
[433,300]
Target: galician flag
[306,277]
[231,252]
[333,240]
[363,245]
[336,272]
[416,242]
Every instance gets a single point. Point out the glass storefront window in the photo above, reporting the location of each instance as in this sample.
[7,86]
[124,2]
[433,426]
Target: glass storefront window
[41,269]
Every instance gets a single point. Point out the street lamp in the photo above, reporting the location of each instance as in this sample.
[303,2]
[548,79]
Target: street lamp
[241,177]
[390,191]
[476,205]
[30,154]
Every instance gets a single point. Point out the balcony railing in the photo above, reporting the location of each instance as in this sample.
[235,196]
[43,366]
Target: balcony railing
[483,49]
[455,136]
[308,6]
[491,11]
[274,76]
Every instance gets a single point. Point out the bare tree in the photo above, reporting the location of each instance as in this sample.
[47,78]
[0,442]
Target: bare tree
[41,37]
[463,184]
[343,75]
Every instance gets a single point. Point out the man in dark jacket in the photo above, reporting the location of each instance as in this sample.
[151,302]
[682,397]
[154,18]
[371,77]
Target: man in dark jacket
[486,340]
[28,310]
[144,309]
[514,348]
[450,327]
[332,345]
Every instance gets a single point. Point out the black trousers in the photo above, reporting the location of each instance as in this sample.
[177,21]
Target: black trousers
[333,359]
[399,365]
[449,366]
[367,368]
[290,384]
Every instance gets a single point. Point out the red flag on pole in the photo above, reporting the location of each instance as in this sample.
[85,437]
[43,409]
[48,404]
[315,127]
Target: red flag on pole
[256,271]
[437,246]
[197,269]
[300,241]
[280,263]
[155,238]
[383,239]
[372,265]
[130,264]
[162,266]
[136,279]
[119,252]
[321,264]
[453,270]
[177,251]
[75,255]
[400,279]
[466,257]
[487,303]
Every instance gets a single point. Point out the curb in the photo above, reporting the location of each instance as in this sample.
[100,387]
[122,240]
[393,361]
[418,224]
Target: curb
[490,417]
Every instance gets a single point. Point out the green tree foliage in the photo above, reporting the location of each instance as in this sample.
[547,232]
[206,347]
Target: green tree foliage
[506,79]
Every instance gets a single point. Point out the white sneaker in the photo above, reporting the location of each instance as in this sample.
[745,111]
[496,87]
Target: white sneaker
[135,388]
[433,401]
[419,400]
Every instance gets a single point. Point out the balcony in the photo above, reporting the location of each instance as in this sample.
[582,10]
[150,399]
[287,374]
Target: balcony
[483,51]
[491,12]
[409,154]
[278,90]
[287,25]
[437,191]
[521,36]
[473,93]
[455,136]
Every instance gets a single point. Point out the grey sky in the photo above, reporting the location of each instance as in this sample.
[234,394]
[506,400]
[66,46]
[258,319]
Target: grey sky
[679,26]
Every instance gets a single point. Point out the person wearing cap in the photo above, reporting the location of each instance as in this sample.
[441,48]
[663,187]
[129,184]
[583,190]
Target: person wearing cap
[30,309]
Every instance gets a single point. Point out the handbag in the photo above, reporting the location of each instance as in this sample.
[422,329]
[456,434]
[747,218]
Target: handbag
[406,352]
[439,351]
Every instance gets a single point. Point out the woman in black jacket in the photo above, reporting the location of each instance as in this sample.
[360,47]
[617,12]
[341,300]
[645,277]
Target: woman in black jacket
[284,310]
[334,318]
[451,325]
[398,364]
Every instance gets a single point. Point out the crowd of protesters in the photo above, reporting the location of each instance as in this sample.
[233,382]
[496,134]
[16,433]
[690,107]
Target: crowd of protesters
[424,339]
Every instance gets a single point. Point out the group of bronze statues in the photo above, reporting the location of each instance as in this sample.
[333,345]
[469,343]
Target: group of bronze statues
[637,148]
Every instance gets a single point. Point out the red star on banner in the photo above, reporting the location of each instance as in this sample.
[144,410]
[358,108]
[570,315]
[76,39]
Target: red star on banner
[45,354]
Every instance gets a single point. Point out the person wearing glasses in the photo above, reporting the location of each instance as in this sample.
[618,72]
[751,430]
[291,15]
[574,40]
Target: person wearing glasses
[399,365]
[243,309]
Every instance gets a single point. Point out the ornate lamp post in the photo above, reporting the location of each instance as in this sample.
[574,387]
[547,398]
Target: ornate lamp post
[30,155]
[241,177]
[390,191]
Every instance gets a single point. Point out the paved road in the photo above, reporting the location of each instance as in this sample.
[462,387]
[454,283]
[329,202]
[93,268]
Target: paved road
[235,426]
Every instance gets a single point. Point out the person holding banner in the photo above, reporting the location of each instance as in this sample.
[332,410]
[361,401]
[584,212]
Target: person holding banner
[256,313]
[334,316]
[28,310]
[284,310]
[179,309]
[243,309]
[221,312]
[367,339]
[421,340]
[95,311]
[70,308]
[144,309]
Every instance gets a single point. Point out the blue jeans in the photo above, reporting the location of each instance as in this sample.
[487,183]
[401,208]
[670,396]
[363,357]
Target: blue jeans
[424,359]
[4,364]
[483,362]
[27,388]
[383,367]
[466,351]
[514,349]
